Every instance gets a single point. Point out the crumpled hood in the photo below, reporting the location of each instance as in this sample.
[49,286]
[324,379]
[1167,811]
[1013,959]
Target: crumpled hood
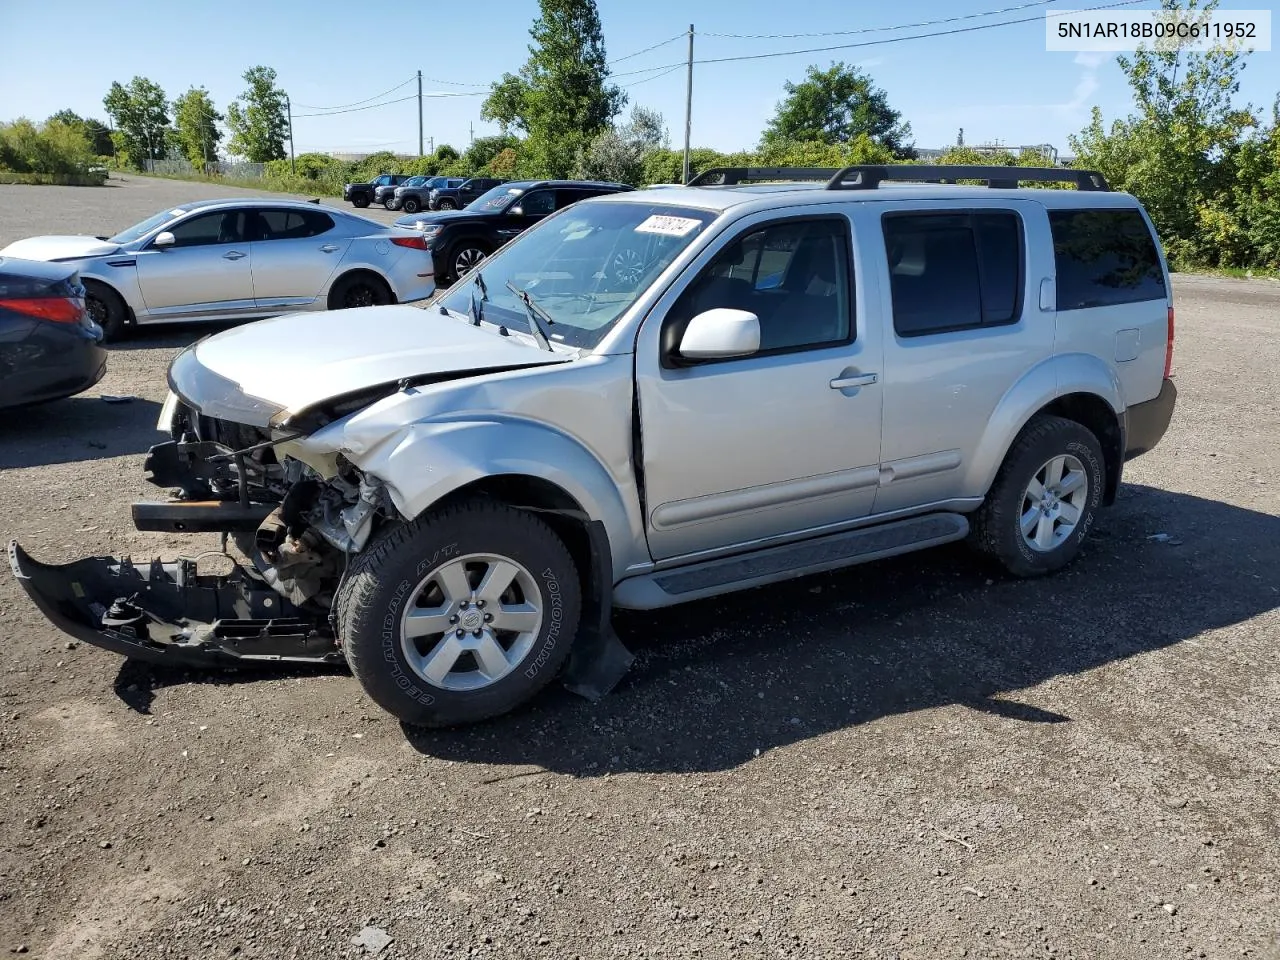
[59,248]
[294,361]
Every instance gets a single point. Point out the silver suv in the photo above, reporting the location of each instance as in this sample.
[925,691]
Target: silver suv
[647,398]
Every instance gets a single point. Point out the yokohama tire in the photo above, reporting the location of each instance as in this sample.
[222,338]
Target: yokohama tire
[998,524]
[384,582]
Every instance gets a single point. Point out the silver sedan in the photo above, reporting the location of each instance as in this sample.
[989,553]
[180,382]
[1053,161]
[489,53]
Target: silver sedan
[240,259]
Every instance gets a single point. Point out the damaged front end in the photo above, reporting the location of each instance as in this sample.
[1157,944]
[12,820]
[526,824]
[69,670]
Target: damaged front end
[294,528]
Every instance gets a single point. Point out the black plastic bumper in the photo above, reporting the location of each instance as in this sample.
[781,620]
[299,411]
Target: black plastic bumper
[1146,423]
[168,613]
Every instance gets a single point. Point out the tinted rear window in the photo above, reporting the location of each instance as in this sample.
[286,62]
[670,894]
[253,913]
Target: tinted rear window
[1104,257]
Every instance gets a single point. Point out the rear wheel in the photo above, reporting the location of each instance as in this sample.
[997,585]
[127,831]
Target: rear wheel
[463,614]
[389,203]
[1044,499]
[359,290]
[107,309]
[411,205]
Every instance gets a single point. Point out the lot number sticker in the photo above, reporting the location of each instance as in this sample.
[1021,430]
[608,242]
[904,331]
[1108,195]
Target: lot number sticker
[668,226]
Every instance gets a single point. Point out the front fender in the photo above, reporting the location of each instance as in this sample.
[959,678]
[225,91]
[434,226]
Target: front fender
[1056,376]
[425,461]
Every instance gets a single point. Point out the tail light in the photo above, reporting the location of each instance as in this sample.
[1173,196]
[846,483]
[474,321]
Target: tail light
[416,243]
[1168,349]
[53,309]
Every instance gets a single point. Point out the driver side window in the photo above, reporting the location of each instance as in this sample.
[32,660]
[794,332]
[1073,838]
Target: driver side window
[795,276]
[538,203]
[210,228]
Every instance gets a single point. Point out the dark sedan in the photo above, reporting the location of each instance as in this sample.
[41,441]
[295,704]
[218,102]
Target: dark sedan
[50,347]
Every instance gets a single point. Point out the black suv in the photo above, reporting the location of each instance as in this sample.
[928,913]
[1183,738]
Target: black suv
[455,197]
[412,197]
[361,194]
[459,239]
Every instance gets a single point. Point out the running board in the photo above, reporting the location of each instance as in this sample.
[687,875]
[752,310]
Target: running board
[665,588]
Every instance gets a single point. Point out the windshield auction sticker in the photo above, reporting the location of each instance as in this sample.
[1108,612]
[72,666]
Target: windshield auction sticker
[1126,31]
[668,226]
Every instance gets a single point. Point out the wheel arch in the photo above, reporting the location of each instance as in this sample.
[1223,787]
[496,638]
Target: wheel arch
[131,315]
[1078,387]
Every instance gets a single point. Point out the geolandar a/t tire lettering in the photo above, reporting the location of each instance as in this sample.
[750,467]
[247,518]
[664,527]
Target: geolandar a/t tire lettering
[465,613]
[1044,499]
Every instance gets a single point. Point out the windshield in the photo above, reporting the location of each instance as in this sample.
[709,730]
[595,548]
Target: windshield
[415,181]
[495,198]
[583,267]
[147,225]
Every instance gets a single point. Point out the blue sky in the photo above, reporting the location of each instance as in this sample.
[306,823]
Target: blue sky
[998,84]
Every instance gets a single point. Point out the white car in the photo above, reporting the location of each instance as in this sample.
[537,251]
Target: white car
[240,259]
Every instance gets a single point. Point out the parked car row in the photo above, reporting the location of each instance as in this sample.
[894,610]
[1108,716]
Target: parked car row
[397,191]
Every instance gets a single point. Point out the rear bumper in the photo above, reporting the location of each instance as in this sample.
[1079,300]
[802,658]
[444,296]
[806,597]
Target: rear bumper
[1146,423]
[56,363]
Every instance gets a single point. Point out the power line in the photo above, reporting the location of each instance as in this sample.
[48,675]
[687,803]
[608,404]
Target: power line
[875,43]
[628,86]
[901,26]
[372,106]
[678,36]
[341,106]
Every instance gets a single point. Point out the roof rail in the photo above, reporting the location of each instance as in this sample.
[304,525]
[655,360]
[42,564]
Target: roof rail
[997,177]
[735,175]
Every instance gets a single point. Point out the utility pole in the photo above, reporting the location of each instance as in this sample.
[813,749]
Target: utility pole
[432,141]
[419,114]
[473,132]
[688,107]
[293,169]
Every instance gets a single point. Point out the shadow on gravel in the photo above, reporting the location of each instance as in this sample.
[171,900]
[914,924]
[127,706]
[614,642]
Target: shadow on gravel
[79,428]
[717,682]
[137,682]
[172,336]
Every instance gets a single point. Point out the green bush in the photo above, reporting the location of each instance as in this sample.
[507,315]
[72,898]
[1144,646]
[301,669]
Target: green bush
[50,148]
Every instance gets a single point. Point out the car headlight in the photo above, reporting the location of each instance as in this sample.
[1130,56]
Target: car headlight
[429,229]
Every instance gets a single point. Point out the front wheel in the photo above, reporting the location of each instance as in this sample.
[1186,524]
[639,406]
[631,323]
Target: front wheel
[411,205]
[1044,498]
[446,204]
[463,614]
[360,200]
[389,203]
[107,309]
[465,257]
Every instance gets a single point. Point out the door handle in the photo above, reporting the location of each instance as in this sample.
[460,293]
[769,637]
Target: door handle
[233,255]
[859,380]
[329,248]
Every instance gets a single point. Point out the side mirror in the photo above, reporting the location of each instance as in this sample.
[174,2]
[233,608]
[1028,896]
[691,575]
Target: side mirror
[164,239]
[721,333]
[517,211]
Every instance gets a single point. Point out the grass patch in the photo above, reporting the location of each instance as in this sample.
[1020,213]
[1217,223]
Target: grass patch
[1239,273]
[296,185]
[54,179]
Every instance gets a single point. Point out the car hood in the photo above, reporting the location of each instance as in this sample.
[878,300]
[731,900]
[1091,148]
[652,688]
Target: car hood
[272,369]
[59,248]
[443,217]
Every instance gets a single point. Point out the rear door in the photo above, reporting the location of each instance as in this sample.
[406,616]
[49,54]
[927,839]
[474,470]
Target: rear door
[1111,295]
[208,270]
[295,252]
[962,324]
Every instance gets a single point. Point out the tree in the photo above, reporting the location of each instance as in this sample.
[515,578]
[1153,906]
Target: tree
[257,119]
[140,113]
[1179,152]
[197,123]
[619,154]
[837,105]
[484,149]
[95,131]
[561,98]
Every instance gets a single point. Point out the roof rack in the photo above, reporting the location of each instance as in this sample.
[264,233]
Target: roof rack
[998,178]
[732,176]
[869,177]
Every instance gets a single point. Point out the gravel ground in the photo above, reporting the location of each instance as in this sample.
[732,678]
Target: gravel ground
[914,759]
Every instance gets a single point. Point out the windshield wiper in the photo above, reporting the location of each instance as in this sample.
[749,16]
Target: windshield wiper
[536,316]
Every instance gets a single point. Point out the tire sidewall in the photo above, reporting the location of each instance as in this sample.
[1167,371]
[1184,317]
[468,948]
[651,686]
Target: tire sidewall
[1075,441]
[373,638]
[410,205]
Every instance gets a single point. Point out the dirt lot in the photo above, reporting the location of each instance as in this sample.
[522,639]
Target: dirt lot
[916,759]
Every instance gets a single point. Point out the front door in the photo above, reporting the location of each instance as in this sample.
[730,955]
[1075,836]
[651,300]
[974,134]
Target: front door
[295,252]
[207,270]
[786,440]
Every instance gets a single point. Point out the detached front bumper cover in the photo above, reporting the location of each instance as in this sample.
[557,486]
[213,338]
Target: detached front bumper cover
[169,613]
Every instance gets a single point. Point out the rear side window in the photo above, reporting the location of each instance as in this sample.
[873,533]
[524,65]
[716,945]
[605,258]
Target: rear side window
[292,224]
[1104,258]
[953,271]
